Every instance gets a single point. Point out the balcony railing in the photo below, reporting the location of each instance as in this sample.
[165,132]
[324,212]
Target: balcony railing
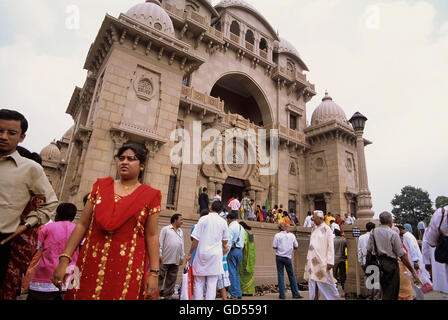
[250,46]
[234,38]
[173,9]
[203,98]
[196,17]
[215,32]
[263,54]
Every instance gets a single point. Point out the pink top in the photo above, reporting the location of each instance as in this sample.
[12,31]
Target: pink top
[234,204]
[52,239]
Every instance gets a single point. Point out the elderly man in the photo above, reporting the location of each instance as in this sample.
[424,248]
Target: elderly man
[172,254]
[284,244]
[210,235]
[386,244]
[320,261]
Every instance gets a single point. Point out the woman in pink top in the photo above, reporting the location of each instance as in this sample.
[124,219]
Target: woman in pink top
[51,242]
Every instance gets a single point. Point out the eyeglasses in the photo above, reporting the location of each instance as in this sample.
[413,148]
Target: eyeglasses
[10,133]
[129,158]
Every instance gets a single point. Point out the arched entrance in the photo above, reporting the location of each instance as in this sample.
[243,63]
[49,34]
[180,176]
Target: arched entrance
[243,96]
[232,187]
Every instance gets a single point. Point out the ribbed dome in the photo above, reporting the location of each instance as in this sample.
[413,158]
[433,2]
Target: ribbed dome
[68,134]
[236,3]
[284,46]
[51,152]
[327,111]
[152,15]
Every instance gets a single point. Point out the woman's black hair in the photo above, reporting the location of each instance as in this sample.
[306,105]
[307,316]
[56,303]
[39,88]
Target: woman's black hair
[65,212]
[139,151]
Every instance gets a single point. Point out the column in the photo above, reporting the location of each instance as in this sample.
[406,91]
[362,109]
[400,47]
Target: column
[119,139]
[211,189]
[327,199]
[364,211]
[310,203]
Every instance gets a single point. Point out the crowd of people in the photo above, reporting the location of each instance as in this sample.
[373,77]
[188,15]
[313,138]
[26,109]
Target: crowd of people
[116,252]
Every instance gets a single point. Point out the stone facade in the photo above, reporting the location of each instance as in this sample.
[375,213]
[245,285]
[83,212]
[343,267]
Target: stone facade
[164,66]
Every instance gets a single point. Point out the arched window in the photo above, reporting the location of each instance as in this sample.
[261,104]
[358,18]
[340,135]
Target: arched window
[218,26]
[235,28]
[290,66]
[250,37]
[263,45]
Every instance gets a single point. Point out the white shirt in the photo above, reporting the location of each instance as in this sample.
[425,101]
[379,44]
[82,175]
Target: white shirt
[171,245]
[234,204]
[217,198]
[308,222]
[349,220]
[236,232]
[421,225]
[335,226]
[210,231]
[413,248]
[284,243]
[363,241]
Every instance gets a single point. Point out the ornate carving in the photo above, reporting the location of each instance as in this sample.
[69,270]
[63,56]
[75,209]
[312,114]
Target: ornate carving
[152,147]
[292,169]
[144,88]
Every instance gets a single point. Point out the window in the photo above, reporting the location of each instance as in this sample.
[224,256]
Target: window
[292,122]
[186,80]
[158,26]
[290,66]
[250,37]
[235,28]
[218,26]
[263,45]
[172,190]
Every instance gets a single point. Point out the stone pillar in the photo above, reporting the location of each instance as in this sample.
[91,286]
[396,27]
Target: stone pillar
[327,199]
[211,189]
[352,257]
[85,139]
[364,211]
[219,186]
[310,203]
[258,200]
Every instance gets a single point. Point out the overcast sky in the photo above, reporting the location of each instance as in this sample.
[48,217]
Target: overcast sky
[387,59]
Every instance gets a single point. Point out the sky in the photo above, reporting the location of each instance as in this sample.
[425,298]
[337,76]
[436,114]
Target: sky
[386,59]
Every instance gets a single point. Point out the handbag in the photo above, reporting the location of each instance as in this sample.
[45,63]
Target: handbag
[441,252]
[372,259]
[186,291]
[237,240]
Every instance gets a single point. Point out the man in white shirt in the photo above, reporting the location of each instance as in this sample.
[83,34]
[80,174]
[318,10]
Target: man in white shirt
[363,241]
[284,244]
[320,261]
[349,219]
[334,226]
[414,253]
[235,205]
[172,254]
[217,196]
[308,220]
[210,235]
[235,256]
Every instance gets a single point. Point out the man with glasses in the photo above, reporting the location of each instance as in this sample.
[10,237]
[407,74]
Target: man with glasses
[21,179]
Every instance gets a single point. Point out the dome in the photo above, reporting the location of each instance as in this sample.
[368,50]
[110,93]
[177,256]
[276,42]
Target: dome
[151,14]
[284,46]
[68,134]
[51,152]
[327,111]
[236,3]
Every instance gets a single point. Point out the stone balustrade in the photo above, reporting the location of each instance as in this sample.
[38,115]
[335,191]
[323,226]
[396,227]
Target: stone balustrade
[194,95]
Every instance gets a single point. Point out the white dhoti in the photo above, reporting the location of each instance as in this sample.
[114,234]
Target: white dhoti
[209,282]
[328,290]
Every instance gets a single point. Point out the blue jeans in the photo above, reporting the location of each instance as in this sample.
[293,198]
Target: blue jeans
[233,261]
[287,264]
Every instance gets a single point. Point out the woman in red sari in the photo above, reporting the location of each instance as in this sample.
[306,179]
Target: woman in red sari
[120,226]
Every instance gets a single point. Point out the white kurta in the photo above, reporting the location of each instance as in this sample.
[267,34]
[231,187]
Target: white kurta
[414,252]
[210,231]
[439,271]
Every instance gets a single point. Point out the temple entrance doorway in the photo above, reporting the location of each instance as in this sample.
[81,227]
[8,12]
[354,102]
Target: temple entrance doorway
[232,186]
[320,205]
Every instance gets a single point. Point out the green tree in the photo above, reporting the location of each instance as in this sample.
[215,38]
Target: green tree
[441,201]
[411,206]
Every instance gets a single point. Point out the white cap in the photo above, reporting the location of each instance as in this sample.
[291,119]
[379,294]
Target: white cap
[320,214]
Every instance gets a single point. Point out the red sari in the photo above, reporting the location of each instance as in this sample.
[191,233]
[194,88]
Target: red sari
[113,258]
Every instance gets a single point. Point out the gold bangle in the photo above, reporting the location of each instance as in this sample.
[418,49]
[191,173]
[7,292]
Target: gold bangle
[64,255]
[154,274]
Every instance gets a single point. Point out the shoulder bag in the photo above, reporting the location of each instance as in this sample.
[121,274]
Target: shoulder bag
[441,252]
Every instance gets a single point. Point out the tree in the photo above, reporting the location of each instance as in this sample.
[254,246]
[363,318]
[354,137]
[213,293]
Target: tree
[412,206]
[441,201]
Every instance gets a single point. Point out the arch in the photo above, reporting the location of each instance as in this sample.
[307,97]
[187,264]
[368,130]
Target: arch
[244,84]
[263,45]
[250,37]
[235,28]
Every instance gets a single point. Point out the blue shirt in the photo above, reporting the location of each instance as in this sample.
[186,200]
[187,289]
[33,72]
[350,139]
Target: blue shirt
[235,231]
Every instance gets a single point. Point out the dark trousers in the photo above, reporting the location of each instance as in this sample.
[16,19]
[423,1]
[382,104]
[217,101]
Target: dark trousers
[340,273]
[45,296]
[5,254]
[390,278]
[168,274]
[286,263]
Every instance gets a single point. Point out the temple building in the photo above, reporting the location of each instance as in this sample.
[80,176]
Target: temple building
[165,65]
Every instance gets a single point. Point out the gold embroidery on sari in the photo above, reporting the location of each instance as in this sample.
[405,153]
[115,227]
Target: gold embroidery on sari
[102,267]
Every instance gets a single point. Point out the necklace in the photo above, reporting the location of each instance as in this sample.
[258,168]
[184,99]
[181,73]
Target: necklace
[126,188]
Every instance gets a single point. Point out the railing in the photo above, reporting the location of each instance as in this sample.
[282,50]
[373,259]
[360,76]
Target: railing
[173,9]
[250,46]
[215,32]
[197,17]
[192,94]
[234,38]
[238,120]
[294,134]
[301,76]
[263,54]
